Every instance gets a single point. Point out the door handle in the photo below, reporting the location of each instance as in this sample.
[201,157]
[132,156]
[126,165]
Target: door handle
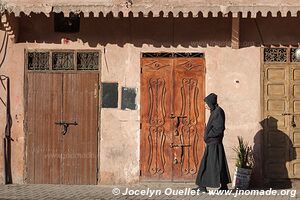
[65,125]
[172,116]
[175,161]
[286,114]
[293,123]
[182,150]
[179,145]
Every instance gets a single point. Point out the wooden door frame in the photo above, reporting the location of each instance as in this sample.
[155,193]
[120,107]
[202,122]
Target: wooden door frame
[204,92]
[25,100]
[262,107]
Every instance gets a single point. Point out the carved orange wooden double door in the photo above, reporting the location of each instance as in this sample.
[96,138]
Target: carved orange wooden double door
[172,118]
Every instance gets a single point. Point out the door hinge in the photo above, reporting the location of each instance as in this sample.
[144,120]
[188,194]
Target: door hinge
[140,172]
[141,70]
[140,125]
[97,174]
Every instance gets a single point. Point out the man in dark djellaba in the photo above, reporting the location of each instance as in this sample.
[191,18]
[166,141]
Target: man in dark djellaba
[213,170]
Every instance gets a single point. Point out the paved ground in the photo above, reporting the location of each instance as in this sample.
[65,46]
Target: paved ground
[143,191]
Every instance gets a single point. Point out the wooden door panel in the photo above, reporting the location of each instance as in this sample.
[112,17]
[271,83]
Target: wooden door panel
[44,108]
[54,137]
[293,145]
[188,103]
[53,157]
[156,137]
[80,102]
[171,88]
[276,126]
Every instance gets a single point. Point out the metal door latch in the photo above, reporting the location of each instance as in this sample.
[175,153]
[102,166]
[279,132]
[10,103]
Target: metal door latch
[286,114]
[179,145]
[65,125]
[177,122]
[293,123]
[175,161]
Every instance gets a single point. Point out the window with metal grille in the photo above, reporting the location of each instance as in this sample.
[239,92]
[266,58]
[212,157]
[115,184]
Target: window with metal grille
[38,60]
[173,55]
[87,60]
[292,55]
[275,55]
[60,60]
[280,55]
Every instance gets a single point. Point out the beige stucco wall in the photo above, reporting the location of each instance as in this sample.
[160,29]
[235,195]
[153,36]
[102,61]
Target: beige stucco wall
[13,68]
[225,66]
[121,41]
[2,126]
[235,76]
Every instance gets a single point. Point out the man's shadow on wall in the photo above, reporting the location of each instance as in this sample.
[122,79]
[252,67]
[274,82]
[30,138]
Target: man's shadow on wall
[272,149]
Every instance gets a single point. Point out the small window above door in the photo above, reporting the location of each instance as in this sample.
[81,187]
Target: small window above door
[280,55]
[62,60]
[38,60]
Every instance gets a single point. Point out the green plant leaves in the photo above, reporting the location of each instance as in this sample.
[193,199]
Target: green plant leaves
[244,152]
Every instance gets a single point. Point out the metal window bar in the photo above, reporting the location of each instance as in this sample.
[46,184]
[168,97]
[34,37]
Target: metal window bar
[172,55]
[275,55]
[62,60]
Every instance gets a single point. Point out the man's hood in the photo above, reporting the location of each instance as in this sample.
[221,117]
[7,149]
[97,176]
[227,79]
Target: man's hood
[211,100]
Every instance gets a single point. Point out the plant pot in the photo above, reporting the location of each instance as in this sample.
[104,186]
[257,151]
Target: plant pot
[241,178]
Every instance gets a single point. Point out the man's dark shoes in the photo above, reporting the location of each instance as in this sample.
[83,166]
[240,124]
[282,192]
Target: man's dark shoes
[223,187]
[201,189]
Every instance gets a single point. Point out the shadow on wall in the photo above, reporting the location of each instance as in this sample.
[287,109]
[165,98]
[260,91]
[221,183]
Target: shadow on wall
[5,86]
[272,150]
[163,31]
[5,103]
[157,31]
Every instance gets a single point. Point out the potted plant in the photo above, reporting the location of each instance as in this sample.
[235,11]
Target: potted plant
[244,164]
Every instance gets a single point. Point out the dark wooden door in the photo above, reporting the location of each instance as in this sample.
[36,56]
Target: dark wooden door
[54,157]
[172,118]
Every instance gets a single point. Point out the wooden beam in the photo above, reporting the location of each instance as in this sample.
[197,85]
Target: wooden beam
[235,33]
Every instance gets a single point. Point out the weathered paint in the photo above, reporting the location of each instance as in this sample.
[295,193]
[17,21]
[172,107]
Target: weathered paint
[233,74]
[17,110]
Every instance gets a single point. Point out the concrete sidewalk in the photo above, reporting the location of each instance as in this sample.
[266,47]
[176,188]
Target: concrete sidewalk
[143,191]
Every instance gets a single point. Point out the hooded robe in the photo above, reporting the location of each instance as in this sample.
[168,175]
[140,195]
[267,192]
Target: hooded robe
[213,169]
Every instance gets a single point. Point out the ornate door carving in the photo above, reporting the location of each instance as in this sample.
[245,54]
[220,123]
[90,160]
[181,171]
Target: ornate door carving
[188,103]
[172,118]
[156,156]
